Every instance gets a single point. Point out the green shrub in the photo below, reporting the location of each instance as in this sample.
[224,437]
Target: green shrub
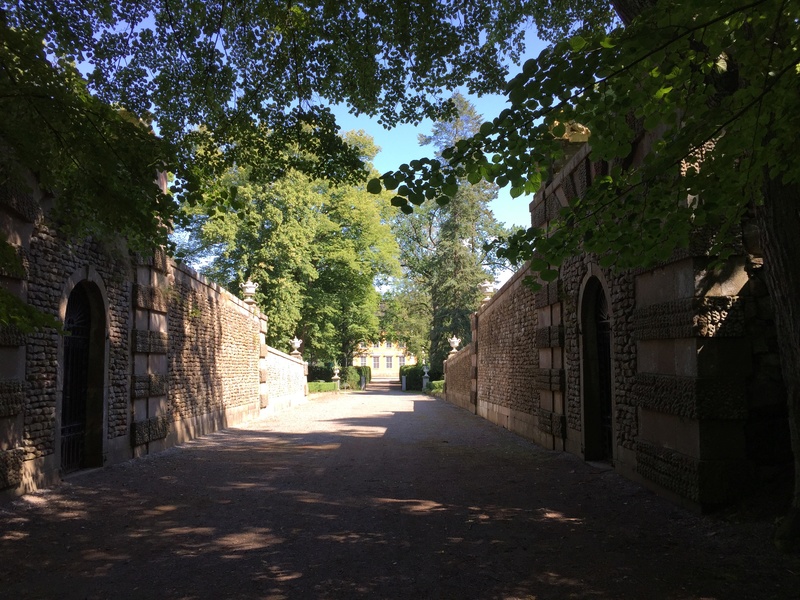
[351,376]
[319,373]
[321,386]
[436,386]
[413,374]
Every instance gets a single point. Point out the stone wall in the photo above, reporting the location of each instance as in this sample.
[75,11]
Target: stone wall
[507,361]
[172,355]
[693,379]
[458,378]
[286,379]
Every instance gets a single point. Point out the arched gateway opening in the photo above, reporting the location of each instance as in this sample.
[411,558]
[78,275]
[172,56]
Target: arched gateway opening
[82,396]
[598,423]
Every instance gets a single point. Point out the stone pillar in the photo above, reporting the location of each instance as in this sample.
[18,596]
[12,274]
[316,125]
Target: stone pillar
[150,422]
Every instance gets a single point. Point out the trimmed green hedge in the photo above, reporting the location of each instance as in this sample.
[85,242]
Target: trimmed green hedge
[321,386]
[436,386]
[352,375]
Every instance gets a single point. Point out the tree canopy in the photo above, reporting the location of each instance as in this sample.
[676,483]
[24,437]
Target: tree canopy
[711,83]
[315,250]
[84,85]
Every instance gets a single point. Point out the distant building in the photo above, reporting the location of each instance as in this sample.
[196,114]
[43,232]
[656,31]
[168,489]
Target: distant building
[384,357]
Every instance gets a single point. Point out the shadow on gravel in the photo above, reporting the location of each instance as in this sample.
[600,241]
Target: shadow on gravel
[398,503]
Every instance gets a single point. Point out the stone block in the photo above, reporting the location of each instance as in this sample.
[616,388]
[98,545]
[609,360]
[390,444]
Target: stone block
[11,336]
[12,397]
[690,317]
[11,467]
[690,397]
[147,430]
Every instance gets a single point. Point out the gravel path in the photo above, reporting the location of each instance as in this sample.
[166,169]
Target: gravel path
[374,495]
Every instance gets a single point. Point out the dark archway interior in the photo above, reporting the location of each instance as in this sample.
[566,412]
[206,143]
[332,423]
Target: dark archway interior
[84,367]
[597,392]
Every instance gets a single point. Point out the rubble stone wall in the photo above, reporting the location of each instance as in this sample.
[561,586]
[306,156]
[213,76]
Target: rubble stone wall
[177,356]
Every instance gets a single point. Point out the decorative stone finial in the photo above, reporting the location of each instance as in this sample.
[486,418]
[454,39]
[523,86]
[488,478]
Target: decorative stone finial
[249,290]
[295,346]
[454,342]
[487,289]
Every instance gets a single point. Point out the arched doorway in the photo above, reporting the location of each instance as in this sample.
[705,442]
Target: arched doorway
[598,422]
[82,397]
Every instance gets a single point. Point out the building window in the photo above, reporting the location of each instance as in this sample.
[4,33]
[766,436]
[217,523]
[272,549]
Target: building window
[376,362]
[362,345]
[388,362]
[388,344]
[401,361]
[376,345]
[363,361]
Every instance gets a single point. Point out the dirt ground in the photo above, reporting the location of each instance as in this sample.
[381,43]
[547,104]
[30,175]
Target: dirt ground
[381,494]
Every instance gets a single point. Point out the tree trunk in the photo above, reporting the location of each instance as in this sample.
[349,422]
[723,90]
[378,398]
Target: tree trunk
[779,225]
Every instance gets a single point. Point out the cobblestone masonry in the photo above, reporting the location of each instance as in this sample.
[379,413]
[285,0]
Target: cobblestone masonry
[52,261]
[286,377]
[718,393]
[458,376]
[213,348]
[508,361]
[192,343]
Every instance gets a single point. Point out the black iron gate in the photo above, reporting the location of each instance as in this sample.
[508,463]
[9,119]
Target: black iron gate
[76,380]
[603,328]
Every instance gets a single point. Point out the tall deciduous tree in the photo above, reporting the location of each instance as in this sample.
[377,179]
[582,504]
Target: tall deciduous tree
[315,250]
[443,246]
[712,90]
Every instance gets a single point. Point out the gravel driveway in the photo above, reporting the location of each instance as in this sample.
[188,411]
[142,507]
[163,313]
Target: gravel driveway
[375,495]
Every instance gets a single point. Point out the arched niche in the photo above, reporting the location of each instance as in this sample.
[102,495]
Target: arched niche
[81,412]
[597,375]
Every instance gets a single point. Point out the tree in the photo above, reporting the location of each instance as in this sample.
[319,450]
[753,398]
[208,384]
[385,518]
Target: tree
[314,249]
[443,246]
[405,315]
[711,89]
[248,79]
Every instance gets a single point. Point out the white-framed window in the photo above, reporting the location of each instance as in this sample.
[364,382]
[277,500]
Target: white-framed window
[376,362]
[388,344]
[376,345]
[362,345]
[388,362]
[401,361]
[363,361]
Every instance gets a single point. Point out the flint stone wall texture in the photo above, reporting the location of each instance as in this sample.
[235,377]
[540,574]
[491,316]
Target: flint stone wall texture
[53,260]
[458,377]
[286,378]
[508,361]
[711,342]
[185,346]
[213,348]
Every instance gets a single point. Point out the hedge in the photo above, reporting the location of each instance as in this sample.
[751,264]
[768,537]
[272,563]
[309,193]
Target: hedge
[436,386]
[414,374]
[321,386]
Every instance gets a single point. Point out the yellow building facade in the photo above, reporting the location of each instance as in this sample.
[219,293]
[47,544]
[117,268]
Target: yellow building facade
[385,358]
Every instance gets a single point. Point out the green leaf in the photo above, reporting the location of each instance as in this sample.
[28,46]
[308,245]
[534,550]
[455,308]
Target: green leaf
[390,182]
[374,186]
[577,42]
[450,189]
[398,201]
[549,275]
